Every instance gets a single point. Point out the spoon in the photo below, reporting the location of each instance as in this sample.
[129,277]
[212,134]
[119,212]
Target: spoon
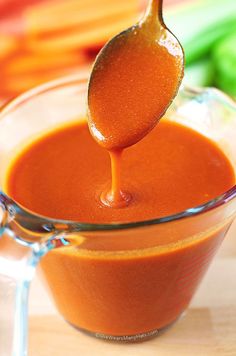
[133,81]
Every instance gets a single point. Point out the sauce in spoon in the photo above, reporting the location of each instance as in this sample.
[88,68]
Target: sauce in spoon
[133,81]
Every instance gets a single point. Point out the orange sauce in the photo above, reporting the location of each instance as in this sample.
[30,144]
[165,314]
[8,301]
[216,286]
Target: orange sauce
[131,93]
[151,282]
[173,168]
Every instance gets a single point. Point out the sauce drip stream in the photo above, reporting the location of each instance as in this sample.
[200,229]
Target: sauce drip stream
[115,197]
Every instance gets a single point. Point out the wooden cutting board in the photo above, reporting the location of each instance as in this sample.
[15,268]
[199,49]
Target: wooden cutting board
[208,328]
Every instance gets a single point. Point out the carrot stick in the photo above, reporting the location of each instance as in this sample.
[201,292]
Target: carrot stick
[77,39]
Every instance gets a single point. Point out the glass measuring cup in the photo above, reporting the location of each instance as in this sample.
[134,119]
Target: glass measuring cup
[133,289]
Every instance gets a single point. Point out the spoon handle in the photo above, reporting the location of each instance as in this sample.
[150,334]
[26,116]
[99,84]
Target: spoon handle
[154,11]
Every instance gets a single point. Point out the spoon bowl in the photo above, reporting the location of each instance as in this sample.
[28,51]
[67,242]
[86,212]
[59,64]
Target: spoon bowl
[133,81]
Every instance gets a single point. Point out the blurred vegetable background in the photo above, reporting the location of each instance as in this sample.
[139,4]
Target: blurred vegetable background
[45,39]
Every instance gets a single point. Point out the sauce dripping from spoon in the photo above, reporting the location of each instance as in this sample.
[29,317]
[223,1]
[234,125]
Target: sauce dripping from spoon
[133,81]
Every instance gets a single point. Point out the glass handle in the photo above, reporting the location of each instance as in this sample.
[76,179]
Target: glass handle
[17,267]
[23,241]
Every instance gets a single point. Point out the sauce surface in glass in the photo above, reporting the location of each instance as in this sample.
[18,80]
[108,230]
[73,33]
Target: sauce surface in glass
[63,174]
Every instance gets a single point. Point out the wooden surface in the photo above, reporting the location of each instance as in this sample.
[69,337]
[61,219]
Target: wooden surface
[208,327]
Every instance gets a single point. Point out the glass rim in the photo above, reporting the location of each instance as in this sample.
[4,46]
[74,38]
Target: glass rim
[50,224]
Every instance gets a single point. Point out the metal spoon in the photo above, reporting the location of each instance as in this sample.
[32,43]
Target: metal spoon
[133,81]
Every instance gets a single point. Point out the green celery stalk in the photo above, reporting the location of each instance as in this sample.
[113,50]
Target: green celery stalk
[200,25]
[199,74]
[224,61]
